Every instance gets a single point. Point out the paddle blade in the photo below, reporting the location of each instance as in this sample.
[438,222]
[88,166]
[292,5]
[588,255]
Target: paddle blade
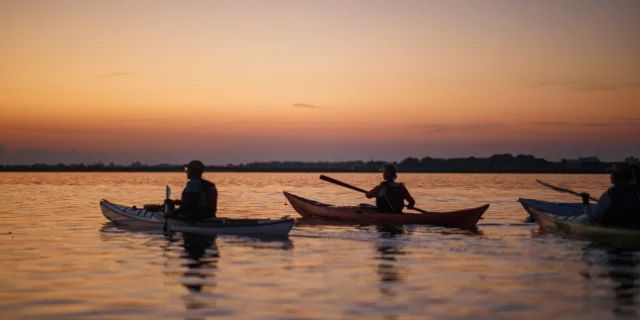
[167,192]
[559,189]
[340,183]
[552,187]
[328,179]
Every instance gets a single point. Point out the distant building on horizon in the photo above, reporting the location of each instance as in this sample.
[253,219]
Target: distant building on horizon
[632,160]
[584,160]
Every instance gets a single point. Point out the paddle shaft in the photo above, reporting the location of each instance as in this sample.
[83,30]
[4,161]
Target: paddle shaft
[166,218]
[559,189]
[340,183]
[346,185]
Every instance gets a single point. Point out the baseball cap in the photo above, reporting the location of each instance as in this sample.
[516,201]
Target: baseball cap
[196,165]
[389,168]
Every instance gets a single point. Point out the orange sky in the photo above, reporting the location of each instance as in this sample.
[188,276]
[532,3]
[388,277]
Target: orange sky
[218,78]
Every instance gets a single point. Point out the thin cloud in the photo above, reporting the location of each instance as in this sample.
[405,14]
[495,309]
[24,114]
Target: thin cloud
[552,123]
[111,75]
[599,124]
[73,130]
[149,120]
[576,124]
[609,87]
[438,128]
[555,83]
[308,106]
[587,84]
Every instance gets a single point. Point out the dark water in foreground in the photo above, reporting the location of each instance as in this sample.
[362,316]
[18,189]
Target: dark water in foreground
[60,258]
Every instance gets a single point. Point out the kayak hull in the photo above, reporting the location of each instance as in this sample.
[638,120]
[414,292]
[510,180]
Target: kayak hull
[129,216]
[463,219]
[555,208]
[575,227]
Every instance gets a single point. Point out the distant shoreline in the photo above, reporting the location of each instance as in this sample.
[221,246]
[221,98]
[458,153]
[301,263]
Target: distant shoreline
[499,163]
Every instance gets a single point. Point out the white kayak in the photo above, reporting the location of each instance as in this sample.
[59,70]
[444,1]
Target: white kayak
[563,209]
[132,216]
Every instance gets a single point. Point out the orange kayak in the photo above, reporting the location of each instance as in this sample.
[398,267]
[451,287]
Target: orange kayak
[463,219]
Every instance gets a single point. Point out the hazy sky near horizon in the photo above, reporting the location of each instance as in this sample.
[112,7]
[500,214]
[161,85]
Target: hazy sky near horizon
[237,81]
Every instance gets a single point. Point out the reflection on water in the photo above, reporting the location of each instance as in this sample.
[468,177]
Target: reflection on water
[192,260]
[623,271]
[61,260]
[621,267]
[203,255]
[387,254]
[202,261]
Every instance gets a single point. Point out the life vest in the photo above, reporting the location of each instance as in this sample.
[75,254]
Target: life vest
[624,211]
[391,197]
[208,199]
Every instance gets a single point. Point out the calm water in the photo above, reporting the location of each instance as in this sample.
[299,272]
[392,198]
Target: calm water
[61,259]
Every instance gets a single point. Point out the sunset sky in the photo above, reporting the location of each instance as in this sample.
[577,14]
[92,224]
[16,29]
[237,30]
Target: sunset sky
[239,81]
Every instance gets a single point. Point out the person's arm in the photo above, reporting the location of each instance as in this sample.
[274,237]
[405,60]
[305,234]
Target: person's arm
[174,201]
[409,198]
[596,212]
[214,195]
[373,192]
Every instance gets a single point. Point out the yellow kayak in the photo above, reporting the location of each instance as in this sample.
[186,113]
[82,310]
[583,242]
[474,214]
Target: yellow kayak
[576,228]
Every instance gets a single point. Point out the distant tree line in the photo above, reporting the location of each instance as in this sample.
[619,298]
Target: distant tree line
[499,163]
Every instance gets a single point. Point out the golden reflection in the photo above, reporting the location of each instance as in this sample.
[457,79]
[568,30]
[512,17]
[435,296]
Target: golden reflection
[202,252]
[203,256]
[200,255]
[202,265]
[262,242]
[388,251]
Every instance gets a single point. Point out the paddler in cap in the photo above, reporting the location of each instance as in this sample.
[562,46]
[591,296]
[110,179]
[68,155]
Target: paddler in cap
[390,195]
[199,197]
[619,206]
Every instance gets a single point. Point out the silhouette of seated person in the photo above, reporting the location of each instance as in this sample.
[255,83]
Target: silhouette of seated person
[619,206]
[389,194]
[199,198]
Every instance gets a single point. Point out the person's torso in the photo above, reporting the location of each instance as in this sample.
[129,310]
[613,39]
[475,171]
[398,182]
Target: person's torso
[391,196]
[624,211]
[207,193]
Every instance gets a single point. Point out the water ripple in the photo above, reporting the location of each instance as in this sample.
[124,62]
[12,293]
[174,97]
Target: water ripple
[62,260]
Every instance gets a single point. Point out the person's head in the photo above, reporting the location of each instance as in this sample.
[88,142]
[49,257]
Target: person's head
[389,172]
[194,169]
[622,174]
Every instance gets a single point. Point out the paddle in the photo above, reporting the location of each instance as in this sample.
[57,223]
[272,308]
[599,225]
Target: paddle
[346,185]
[340,183]
[559,189]
[166,208]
